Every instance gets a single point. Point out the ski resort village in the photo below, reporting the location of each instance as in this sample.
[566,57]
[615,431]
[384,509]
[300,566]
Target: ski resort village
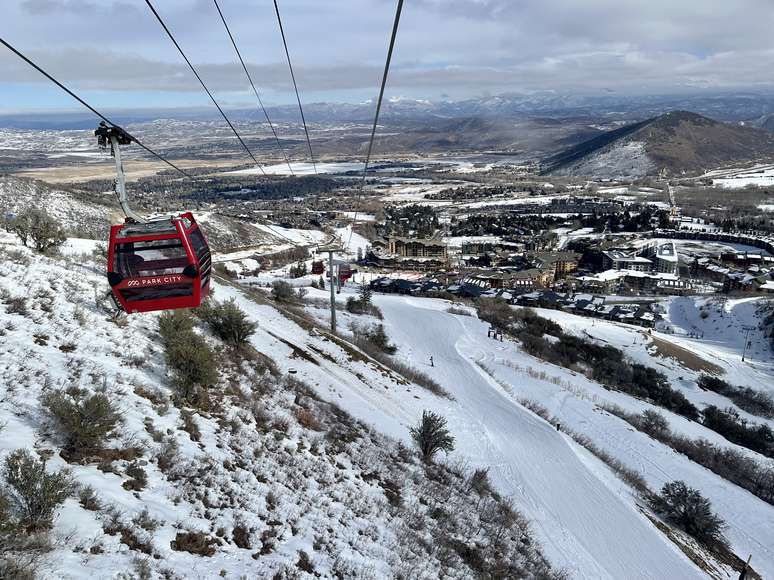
[262,316]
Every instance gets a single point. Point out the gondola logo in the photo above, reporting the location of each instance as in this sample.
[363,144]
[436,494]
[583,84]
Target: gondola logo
[155,281]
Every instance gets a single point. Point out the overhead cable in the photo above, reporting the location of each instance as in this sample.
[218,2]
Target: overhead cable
[88,106]
[295,85]
[378,106]
[249,78]
[204,86]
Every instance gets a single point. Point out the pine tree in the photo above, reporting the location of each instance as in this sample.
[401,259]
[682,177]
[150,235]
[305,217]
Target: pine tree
[432,436]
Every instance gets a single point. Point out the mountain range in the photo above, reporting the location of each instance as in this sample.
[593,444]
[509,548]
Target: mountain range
[753,108]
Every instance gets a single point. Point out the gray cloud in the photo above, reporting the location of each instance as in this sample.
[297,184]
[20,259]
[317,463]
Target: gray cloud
[451,47]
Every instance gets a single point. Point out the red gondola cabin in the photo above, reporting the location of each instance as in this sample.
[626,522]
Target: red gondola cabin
[159,265]
[318,268]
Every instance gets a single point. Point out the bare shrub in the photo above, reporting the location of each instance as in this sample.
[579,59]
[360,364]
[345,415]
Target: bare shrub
[654,424]
[145,521]
[375,336]
[86,420]
[194,543]
[480,483]
[190,426]
[686,508]
[138,477]
[88,498]
[32,495]
[432,436]
[16,305]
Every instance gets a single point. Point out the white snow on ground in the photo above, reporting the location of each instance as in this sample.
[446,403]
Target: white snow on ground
[324,502]
[761,175]
[361,217]
[352,241]
[75,246]
[300,169]
[294,236]
[586,519]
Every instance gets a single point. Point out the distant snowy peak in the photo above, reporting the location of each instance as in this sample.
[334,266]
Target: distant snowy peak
[678,143]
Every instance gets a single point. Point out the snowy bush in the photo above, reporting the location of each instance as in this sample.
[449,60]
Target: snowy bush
[373,337]
[654,423]
[228,322]
[432,436]
[189,358]
[195,543]
[32,495]
[686,508]
[86,420]
[281,291]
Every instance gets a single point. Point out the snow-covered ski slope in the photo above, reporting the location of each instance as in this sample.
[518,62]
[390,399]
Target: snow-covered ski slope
[587,520]
[293,486]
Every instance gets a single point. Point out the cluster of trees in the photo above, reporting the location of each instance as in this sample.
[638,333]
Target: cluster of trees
[36,227]
[728,463]
[604,363]
[373,337]
[410,220]
[467,192]
[752,401]
[298,270]
[738,430]
[645,218]
[505,224]
[283,292]
[363,304]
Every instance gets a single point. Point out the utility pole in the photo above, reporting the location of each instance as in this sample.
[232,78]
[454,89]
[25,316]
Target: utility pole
[331,249]
[747,330]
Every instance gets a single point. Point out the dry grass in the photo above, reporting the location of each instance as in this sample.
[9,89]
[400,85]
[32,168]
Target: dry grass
[684,357]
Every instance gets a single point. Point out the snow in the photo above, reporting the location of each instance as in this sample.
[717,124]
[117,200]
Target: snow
[75,246]
[293,235]
[620,160]
[301,169]
[587,520]
[762,176]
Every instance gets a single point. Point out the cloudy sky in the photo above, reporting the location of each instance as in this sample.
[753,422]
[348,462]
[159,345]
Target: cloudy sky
[115,53]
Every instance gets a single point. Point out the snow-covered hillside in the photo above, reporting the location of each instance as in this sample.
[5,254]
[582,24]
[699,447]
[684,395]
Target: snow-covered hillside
[303,465]
[83,217]
[269,481]
[618,160]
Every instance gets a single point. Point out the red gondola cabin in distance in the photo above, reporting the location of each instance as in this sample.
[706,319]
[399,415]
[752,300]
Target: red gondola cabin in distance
[159,265]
